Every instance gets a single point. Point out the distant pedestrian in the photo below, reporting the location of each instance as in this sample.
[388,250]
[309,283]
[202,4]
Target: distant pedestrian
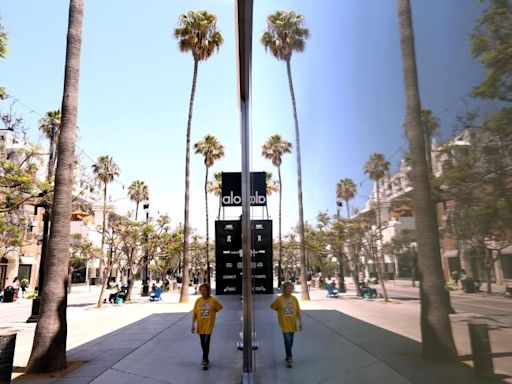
[288,314]
[203,319]
[196,282]
[16,286]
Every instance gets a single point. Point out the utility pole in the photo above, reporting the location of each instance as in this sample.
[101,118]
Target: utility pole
[46,231]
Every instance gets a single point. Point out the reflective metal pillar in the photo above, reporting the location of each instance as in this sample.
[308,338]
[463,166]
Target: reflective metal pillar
[244,14]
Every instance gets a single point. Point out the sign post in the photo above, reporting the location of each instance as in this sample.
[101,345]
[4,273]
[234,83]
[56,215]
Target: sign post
[244,15]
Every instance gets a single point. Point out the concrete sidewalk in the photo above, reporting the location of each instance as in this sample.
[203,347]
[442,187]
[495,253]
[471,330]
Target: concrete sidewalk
[334,348]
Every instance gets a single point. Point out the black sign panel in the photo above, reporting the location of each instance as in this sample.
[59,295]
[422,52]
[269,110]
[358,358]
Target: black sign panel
[228,243]
[262,256]
[232,189]
[229,263]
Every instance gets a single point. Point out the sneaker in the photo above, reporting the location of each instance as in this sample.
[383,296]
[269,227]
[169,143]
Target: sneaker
[205,365]
[289,363]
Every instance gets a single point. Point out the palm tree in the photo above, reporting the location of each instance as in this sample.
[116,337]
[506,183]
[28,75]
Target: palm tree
[436,332]
[105,170]
[196,32]
[138,192]
[49,125]
[274,149]
[346,190]
[215,187]
[272,186]
[376,168]
[285,34]
[49,348]
[212,149]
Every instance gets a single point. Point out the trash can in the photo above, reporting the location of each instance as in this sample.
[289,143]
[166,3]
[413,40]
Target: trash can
[8,294]
[7,343]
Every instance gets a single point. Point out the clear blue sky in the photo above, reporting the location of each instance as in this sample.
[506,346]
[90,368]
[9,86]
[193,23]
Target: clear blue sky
[135,85]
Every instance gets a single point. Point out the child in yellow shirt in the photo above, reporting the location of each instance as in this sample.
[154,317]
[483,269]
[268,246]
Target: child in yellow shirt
[204,312]
[288,314]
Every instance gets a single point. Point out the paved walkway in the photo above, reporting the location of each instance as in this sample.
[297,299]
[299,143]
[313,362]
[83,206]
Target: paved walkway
[334,348]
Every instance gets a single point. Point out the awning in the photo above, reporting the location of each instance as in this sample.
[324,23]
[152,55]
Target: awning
[28,260]
[450,253]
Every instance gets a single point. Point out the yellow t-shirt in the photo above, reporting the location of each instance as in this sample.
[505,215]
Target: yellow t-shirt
[205,310]
[287,312]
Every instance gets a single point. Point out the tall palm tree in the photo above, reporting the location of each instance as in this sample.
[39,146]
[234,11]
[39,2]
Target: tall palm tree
[274,149]
[215,187]
[272,186]
[105,170]
[138,192]
[211,149]
[49,125]
[346,190]
[49,348]
[376,168]
[436,332]
[196,33]
[285,34]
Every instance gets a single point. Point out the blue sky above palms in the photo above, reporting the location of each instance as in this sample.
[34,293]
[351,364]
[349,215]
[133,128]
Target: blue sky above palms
[135,87]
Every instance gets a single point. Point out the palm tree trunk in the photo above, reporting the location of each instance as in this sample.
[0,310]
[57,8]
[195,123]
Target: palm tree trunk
[207,229]
[302,243]
[102,260]
[348,209]
[380,256]
[186,229]
[137,210]
[436,332]
[280,261]
[220,206]
[49,348]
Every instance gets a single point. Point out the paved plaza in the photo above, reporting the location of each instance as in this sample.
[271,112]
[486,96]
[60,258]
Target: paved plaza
[345,340]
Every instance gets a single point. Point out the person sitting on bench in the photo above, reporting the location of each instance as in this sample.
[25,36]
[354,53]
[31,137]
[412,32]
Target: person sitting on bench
[332,291]
[155,294]
[366,291]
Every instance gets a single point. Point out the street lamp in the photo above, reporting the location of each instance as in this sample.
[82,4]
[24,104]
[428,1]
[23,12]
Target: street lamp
[342,287]
[145,274]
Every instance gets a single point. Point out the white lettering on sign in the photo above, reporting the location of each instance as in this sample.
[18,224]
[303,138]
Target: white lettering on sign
[229,277]
[229,265]
[229,227]
[260,276]
[237,200]
[230,289]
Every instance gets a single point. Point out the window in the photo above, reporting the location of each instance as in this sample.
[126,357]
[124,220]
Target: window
[506,264]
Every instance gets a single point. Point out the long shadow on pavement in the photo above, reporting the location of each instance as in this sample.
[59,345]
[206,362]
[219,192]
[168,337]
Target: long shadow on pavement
[336,348]
[157,349]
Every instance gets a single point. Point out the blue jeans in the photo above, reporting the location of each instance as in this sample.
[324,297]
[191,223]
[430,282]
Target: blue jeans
[288,343]
[205,345]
